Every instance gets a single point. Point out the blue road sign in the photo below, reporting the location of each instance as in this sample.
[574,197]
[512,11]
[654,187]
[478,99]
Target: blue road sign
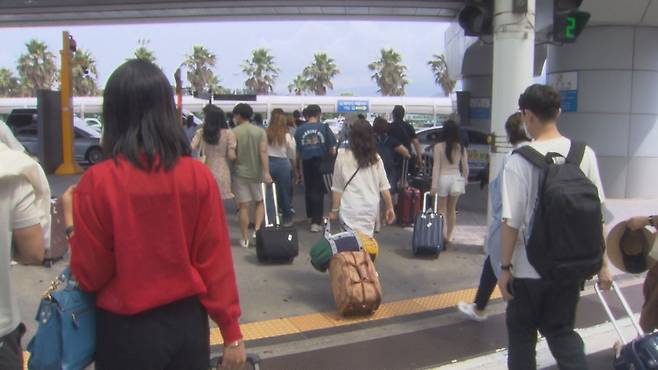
[352,106]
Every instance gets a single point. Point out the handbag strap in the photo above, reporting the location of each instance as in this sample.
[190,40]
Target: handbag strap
[351,178]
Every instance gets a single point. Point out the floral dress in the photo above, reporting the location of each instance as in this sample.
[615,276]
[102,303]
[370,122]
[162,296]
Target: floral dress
[216,158]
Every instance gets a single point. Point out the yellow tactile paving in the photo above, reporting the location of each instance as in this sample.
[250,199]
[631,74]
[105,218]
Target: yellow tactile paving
[314,321]
[325,320]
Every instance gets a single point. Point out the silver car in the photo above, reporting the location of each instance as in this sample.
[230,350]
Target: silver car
[86,143]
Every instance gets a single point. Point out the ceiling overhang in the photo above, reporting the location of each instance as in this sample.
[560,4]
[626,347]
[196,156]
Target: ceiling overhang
[51,12]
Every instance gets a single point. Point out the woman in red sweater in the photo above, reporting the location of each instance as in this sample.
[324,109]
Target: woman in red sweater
[148,235]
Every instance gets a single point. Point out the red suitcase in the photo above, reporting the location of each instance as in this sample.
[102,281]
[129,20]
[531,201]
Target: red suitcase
[408,206]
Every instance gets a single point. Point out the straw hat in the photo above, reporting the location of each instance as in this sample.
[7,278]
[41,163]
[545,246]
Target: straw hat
[631,250]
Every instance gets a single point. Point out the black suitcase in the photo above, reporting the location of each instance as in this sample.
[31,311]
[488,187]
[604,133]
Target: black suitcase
[275,243]
[421,182]
[640,353]
[427,238]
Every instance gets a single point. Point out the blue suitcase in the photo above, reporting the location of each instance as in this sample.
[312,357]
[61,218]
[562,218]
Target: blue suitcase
[427,238]
[640,353]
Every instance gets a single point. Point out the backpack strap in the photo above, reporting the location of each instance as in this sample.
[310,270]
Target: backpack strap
[531,155]
[576,152]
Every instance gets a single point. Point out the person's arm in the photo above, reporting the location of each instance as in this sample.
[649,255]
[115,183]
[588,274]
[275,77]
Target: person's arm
[27,232]
[514,194]
[335,204]
[232,145]
[402,151]
[464,164]
[436,168]
[638,222]
[212,258]
[337,185]
[196,140]
[384,189]
[331,140]
[264,160]
[92,256]
[419,154]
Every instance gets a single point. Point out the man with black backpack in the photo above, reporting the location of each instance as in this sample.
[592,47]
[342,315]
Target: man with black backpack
[552,195]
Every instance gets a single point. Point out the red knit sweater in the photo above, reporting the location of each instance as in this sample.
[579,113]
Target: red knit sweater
[146,239]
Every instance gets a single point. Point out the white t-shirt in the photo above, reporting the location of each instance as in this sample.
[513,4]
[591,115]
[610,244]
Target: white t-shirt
[360,200]
[519,191]
[283,151]
[17,211]
[7,137]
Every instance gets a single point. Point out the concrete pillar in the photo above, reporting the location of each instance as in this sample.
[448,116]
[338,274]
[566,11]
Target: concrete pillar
[617,110]
[476,70]
[513,62]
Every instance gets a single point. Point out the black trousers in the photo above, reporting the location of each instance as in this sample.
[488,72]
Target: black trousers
[314,186]
[549,308]
[11,353]
[170,337]
[487,285]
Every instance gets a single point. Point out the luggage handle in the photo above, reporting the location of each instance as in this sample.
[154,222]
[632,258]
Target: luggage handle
[436,202]
[252,359]
[263,188]
[627,309]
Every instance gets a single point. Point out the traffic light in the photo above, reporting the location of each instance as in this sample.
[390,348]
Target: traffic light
[476,18]
[568,21]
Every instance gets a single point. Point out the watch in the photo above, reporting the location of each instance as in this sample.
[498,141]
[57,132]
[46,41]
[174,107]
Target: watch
[235,344]
[69,231]
[506,267]
[651,221]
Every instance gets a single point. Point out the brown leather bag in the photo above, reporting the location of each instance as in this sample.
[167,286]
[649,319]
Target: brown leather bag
[355,283]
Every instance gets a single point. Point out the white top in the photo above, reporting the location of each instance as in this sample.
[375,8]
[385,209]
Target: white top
[519,194]
[283,151]
[360,200]
[7,137]
[17,211]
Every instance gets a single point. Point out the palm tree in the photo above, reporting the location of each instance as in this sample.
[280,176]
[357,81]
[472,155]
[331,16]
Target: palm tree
[261,72]
[298,86]
[199,70]
[390,73]
[84,74]
[318,75]
[9,85]
[37,68]
[440,70]
[143,52]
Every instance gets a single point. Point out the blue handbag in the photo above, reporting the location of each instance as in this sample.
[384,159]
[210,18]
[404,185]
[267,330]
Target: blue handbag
[66,336]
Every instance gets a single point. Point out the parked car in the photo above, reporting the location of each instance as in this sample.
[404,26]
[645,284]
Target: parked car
[478,150]
[86,144]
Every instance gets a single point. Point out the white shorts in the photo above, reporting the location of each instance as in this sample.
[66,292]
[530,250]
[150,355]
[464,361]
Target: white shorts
[446,184]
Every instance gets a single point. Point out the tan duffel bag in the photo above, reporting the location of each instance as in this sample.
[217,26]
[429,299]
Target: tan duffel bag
[355,283]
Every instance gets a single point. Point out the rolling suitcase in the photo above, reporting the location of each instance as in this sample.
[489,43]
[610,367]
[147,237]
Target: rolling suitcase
[640,353]
[355,283]
[408,200]
[427,238]
[421,182]
[253,362]
[59,245]
[275,243]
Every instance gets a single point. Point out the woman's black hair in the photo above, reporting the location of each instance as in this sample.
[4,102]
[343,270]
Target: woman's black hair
[451,136]
[213,122]
[516,132]
[362,143]
[141,120]
[380,126]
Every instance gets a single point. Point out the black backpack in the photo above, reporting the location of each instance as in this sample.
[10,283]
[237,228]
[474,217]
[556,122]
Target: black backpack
[566,241]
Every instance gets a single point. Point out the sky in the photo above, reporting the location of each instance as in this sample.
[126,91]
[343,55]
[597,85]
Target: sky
[353,45]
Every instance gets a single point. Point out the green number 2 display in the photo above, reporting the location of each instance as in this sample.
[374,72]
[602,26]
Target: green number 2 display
[571,27]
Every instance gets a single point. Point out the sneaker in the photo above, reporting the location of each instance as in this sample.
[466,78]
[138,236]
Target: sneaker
[288,223]
[470,311]
[244,243]
[315,228]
